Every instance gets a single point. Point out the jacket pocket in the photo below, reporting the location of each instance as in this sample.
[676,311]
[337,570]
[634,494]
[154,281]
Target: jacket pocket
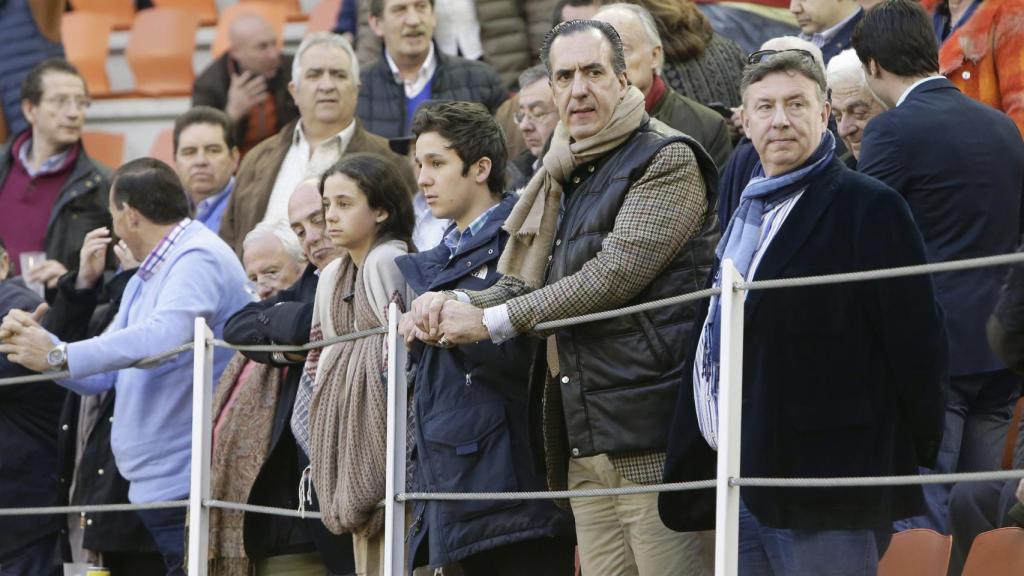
[470,450]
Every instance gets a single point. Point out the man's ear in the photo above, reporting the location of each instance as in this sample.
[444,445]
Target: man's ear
[236,157]
[482,170]
[28,109]
[380,215]
[5,266]
[375,26]
[292,89]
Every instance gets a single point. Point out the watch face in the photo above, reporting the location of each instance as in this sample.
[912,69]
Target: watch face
[55,357]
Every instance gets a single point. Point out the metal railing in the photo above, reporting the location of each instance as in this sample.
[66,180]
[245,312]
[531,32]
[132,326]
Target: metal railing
[727,482]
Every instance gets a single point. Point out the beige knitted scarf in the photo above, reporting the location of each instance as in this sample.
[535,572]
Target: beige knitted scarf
[534,218]
[243,446]
[348,416]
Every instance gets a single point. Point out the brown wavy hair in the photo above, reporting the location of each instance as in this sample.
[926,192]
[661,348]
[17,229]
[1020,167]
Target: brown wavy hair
[685,31]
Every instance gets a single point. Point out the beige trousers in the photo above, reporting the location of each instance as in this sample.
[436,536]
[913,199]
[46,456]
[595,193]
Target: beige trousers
[624,536]
[291,565]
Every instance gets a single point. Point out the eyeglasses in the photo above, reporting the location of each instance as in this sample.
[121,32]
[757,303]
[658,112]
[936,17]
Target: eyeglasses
[534,116]
[79,102]
[761,55]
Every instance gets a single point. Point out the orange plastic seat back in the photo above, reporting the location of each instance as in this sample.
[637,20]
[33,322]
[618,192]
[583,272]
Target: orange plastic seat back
[917,552]
[274,13]
[163,147]
[324,16]
[206,10]
[160,51]
[292,8]
[86,37]
[107,148]
[998,552]
[122,11]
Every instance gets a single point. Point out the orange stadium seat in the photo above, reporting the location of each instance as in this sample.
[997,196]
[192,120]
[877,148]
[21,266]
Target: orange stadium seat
[276,14]
[160,51]
[122,11]
[998,552]
[324,16]
[206,10]
[163,146]
[107,148]
[917,552]
[292,8]
[86,37]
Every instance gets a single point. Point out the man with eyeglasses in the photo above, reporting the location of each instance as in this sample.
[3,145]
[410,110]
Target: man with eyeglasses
[536,119]
[51,192]
[839,380]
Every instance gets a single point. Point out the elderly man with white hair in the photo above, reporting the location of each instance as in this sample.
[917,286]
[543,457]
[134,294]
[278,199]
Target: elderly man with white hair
[272,258]
[853,103]
[644,59]
[325,87]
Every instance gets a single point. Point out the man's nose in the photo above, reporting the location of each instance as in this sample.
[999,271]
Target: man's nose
[779,117]
[846,127]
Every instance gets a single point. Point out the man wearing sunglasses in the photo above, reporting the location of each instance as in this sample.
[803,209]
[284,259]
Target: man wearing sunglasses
[838,380]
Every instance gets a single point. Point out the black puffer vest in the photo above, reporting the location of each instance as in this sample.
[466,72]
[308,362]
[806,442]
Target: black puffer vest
[619,377]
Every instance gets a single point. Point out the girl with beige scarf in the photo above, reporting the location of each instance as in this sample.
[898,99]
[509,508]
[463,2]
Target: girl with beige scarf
[369,212]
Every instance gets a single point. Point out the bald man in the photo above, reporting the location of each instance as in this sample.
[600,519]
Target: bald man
[249,82]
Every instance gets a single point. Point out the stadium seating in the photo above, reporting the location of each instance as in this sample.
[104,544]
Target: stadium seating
[998,552]
[107,148]
[160,51]
[917,552]
[86,36]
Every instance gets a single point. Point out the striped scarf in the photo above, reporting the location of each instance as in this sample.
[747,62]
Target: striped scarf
[742,238]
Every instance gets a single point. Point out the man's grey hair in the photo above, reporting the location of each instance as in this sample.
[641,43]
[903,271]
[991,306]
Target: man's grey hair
[575,26]
[846,68]
[794,43]
[646,19]
[317,38]
[532,74]
[282,231]
[794,62]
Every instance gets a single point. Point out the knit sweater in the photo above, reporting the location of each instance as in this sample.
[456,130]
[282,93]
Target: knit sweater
[714,76]
[152,431]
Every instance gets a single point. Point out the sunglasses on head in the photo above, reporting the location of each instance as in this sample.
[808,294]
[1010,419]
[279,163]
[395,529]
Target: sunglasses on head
[761,55]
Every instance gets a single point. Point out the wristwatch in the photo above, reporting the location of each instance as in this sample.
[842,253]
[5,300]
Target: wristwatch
[57,357]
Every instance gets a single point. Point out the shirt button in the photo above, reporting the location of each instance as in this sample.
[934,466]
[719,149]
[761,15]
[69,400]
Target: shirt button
[558,242]
[468,263]
[88,522]
[100,471]
[565,379]
[549,257]
[491,251]
[590,168]
[64,427]
[111,419]
[575,451]
[966,75]
[575,179]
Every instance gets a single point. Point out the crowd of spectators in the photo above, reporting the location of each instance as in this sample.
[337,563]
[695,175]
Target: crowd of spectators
[489,167]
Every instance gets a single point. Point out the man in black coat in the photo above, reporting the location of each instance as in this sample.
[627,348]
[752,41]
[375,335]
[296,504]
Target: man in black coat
[285,319]
[412,70]
[838,380]
[28,452]
[964,190]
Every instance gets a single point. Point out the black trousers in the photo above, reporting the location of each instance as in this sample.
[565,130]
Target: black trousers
[540,557]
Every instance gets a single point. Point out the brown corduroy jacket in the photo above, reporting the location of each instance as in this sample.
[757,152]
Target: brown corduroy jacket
[258,172]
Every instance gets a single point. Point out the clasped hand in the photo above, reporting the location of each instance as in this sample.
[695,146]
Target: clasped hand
[24,341]
[438,319]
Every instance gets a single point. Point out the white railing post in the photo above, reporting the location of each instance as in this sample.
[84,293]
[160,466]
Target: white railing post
[394,511]
[730,403]
[199,491]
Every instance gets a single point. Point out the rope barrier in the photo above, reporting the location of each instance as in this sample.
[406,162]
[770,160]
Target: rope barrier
[148,362]
[953,478]
[304,348]
[898,272]
[558,494]
[91,508]
[259,509]
[594,317]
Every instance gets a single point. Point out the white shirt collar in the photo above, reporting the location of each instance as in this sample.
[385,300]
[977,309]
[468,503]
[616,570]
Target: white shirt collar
[915,85]
[344,137]
[426,72]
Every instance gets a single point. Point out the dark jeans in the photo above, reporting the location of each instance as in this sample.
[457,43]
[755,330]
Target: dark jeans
[39,558]
[976,507]
[539,557]
[167,527]
[978,412]
[765,551]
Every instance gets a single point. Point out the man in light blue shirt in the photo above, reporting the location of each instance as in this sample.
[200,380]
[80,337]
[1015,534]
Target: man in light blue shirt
[205,158]
[186,272]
